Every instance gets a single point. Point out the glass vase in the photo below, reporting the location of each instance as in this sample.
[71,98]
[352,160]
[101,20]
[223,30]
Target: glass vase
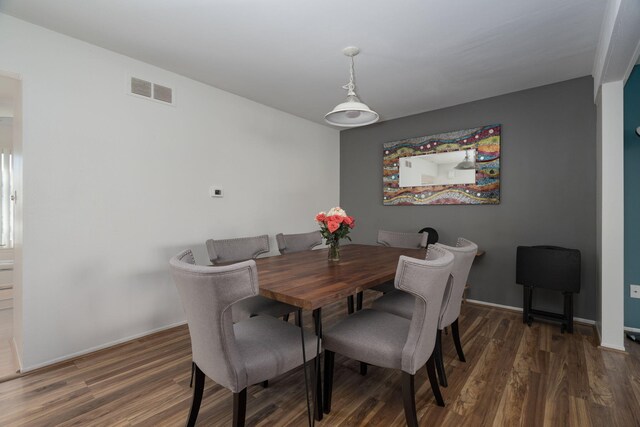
[334,251]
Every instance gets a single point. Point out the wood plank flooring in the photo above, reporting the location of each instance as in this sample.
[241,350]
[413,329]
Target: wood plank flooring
[514,375]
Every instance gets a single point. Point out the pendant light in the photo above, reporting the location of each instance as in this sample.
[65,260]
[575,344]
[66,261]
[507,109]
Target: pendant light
[352,112]
[466,163]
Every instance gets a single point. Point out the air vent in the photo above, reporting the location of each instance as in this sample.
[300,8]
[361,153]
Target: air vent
[151,91]
[162,93]
[140,87]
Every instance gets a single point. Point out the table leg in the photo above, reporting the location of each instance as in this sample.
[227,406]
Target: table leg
[317,317]
[304,364]
[527,293]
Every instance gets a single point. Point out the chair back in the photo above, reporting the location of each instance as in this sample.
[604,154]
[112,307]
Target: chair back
[207,294]
[397,239]
[426,280]
[234,250]
[288,243]
[464,253]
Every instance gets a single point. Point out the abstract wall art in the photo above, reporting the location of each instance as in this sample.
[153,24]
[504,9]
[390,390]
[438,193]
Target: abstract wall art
[453,168]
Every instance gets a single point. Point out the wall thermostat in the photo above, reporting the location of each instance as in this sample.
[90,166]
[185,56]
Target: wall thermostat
[215,191]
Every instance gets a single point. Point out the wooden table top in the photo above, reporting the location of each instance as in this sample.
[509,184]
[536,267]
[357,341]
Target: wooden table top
[308,280]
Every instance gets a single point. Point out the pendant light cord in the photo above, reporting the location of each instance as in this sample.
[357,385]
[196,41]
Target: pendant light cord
[351,86]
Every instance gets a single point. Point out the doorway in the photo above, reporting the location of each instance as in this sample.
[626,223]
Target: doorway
[10,123]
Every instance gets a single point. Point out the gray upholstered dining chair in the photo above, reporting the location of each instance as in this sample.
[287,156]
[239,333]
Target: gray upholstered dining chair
[402,303]
[242,249]
[233,355]
[390,341]
[397,239]
[289,243]
[393,239]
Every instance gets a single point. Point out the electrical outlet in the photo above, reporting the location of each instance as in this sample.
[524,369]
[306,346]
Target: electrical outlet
[635,291]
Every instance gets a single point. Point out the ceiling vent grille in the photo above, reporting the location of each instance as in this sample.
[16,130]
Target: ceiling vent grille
[141,87]
[151,90]
[162,93]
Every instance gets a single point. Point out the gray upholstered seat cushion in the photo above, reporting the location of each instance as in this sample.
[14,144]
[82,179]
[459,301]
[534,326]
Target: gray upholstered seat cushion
[374,337]
[259,305]
[270,347]
[396,302]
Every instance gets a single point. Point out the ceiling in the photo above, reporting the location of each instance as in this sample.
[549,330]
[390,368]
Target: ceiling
[416,55]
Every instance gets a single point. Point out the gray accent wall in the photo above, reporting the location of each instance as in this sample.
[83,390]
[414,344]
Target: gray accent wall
[548,183]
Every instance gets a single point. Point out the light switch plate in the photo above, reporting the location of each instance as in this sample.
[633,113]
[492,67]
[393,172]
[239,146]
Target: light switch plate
[635,291]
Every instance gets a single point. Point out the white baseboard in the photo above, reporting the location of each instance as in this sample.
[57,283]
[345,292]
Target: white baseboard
[98,347]
[630,329]
[612,347]
[519,310]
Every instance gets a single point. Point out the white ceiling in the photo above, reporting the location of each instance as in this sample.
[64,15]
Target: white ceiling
[416,55]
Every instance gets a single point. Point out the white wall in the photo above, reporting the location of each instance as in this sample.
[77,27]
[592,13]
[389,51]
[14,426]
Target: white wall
[114,185]
[6,131]
[617,52]
[610,216]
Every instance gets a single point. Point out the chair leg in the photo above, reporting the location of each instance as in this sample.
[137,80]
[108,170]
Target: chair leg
[350,304]
[197,396]
[239,408]
[433,380]
[409,399]
[316,388]
[439,359]
[298,318]
[286,317]
[193,371]
[455,332]
[328,379]
[363,368]
[359,297]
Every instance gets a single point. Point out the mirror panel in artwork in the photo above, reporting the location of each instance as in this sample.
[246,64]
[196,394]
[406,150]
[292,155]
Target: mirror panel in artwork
[453,167]
[461,167]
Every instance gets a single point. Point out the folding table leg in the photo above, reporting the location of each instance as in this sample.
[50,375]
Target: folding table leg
[568,310]
[527,292]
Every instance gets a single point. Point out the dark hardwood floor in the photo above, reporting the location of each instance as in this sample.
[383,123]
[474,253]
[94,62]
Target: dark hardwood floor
[514,375]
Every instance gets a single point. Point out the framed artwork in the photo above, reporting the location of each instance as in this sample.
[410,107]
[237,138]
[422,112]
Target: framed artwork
[453,168]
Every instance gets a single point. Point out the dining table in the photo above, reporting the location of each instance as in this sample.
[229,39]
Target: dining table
[310,281]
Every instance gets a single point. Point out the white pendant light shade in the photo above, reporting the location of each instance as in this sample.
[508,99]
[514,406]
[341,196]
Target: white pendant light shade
[352,112]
